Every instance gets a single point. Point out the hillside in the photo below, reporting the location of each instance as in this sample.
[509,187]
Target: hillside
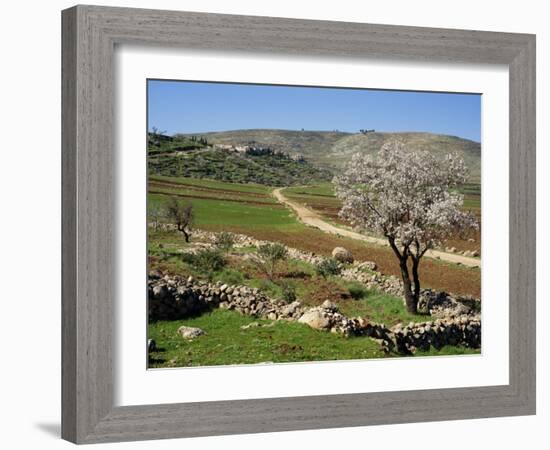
[181,157]
[436,144]
[311,144]
[332,149]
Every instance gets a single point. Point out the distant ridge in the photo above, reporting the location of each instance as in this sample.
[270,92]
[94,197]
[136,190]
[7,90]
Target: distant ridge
[332,149]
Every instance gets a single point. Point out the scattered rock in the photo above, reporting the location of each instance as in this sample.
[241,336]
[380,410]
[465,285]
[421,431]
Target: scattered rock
[257,325]
[250,325]
[342,255]
[370,265]
[190,332]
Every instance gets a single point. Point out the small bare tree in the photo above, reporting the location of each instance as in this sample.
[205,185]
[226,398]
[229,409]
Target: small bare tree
[181,214]
[408,197]
[156,132]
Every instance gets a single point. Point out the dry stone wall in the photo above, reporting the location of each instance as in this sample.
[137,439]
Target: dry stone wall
[172,297]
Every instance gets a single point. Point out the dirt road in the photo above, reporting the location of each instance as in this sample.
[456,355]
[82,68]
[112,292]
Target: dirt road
[313,219]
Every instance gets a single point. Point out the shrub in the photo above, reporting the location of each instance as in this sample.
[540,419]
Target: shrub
[288,292]
[357,291]
[328,267]
[224,241]
[270,255]
[206,261]
[230,276]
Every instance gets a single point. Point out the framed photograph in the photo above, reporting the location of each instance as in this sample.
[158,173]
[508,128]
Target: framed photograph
[278,224]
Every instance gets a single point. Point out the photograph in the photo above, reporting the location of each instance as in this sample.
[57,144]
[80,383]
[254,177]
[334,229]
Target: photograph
[260,225]
[292,224]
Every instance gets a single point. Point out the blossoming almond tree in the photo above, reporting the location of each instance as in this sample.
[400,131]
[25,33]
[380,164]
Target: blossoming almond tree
[408,197]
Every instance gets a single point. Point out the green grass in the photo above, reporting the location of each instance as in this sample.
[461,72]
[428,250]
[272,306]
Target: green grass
[381,308]
[225,343]
[214,184]
[227,213]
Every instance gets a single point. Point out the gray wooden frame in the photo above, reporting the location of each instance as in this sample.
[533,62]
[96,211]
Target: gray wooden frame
[89,36]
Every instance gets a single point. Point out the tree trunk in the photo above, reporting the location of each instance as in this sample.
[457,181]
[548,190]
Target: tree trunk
[185,235]
[416,292]
[411,300]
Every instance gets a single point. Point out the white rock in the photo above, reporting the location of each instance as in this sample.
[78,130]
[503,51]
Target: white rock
[342,255]
[315,319]
[190,332]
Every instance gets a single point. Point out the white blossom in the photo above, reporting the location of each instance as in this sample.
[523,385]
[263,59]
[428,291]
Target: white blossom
[407,196]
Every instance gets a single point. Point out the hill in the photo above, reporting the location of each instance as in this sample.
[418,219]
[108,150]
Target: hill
[179,156]
[311,144]
[437,144]
[332,149]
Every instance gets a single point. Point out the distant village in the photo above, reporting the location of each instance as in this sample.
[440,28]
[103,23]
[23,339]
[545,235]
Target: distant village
[257,150]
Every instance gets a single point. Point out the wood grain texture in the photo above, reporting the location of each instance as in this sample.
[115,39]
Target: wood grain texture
[68,225]
[89,36]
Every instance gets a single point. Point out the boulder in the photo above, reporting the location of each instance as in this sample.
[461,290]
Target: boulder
[190,332]
[342,255]
[370,265]
[327,304]
[315,319]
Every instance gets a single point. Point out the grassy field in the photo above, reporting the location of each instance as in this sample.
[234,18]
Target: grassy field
[205,183]
[226,343]
[231,207]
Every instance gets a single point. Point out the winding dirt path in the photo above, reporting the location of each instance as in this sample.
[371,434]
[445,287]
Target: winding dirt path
[313,219]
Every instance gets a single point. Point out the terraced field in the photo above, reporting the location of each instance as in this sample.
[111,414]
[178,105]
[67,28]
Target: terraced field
[320,198]
[250,209]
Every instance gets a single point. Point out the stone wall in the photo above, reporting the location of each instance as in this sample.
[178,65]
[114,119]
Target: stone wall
[450,322]
[172,298]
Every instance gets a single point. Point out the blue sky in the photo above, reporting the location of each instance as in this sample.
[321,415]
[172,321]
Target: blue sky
[198,107]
